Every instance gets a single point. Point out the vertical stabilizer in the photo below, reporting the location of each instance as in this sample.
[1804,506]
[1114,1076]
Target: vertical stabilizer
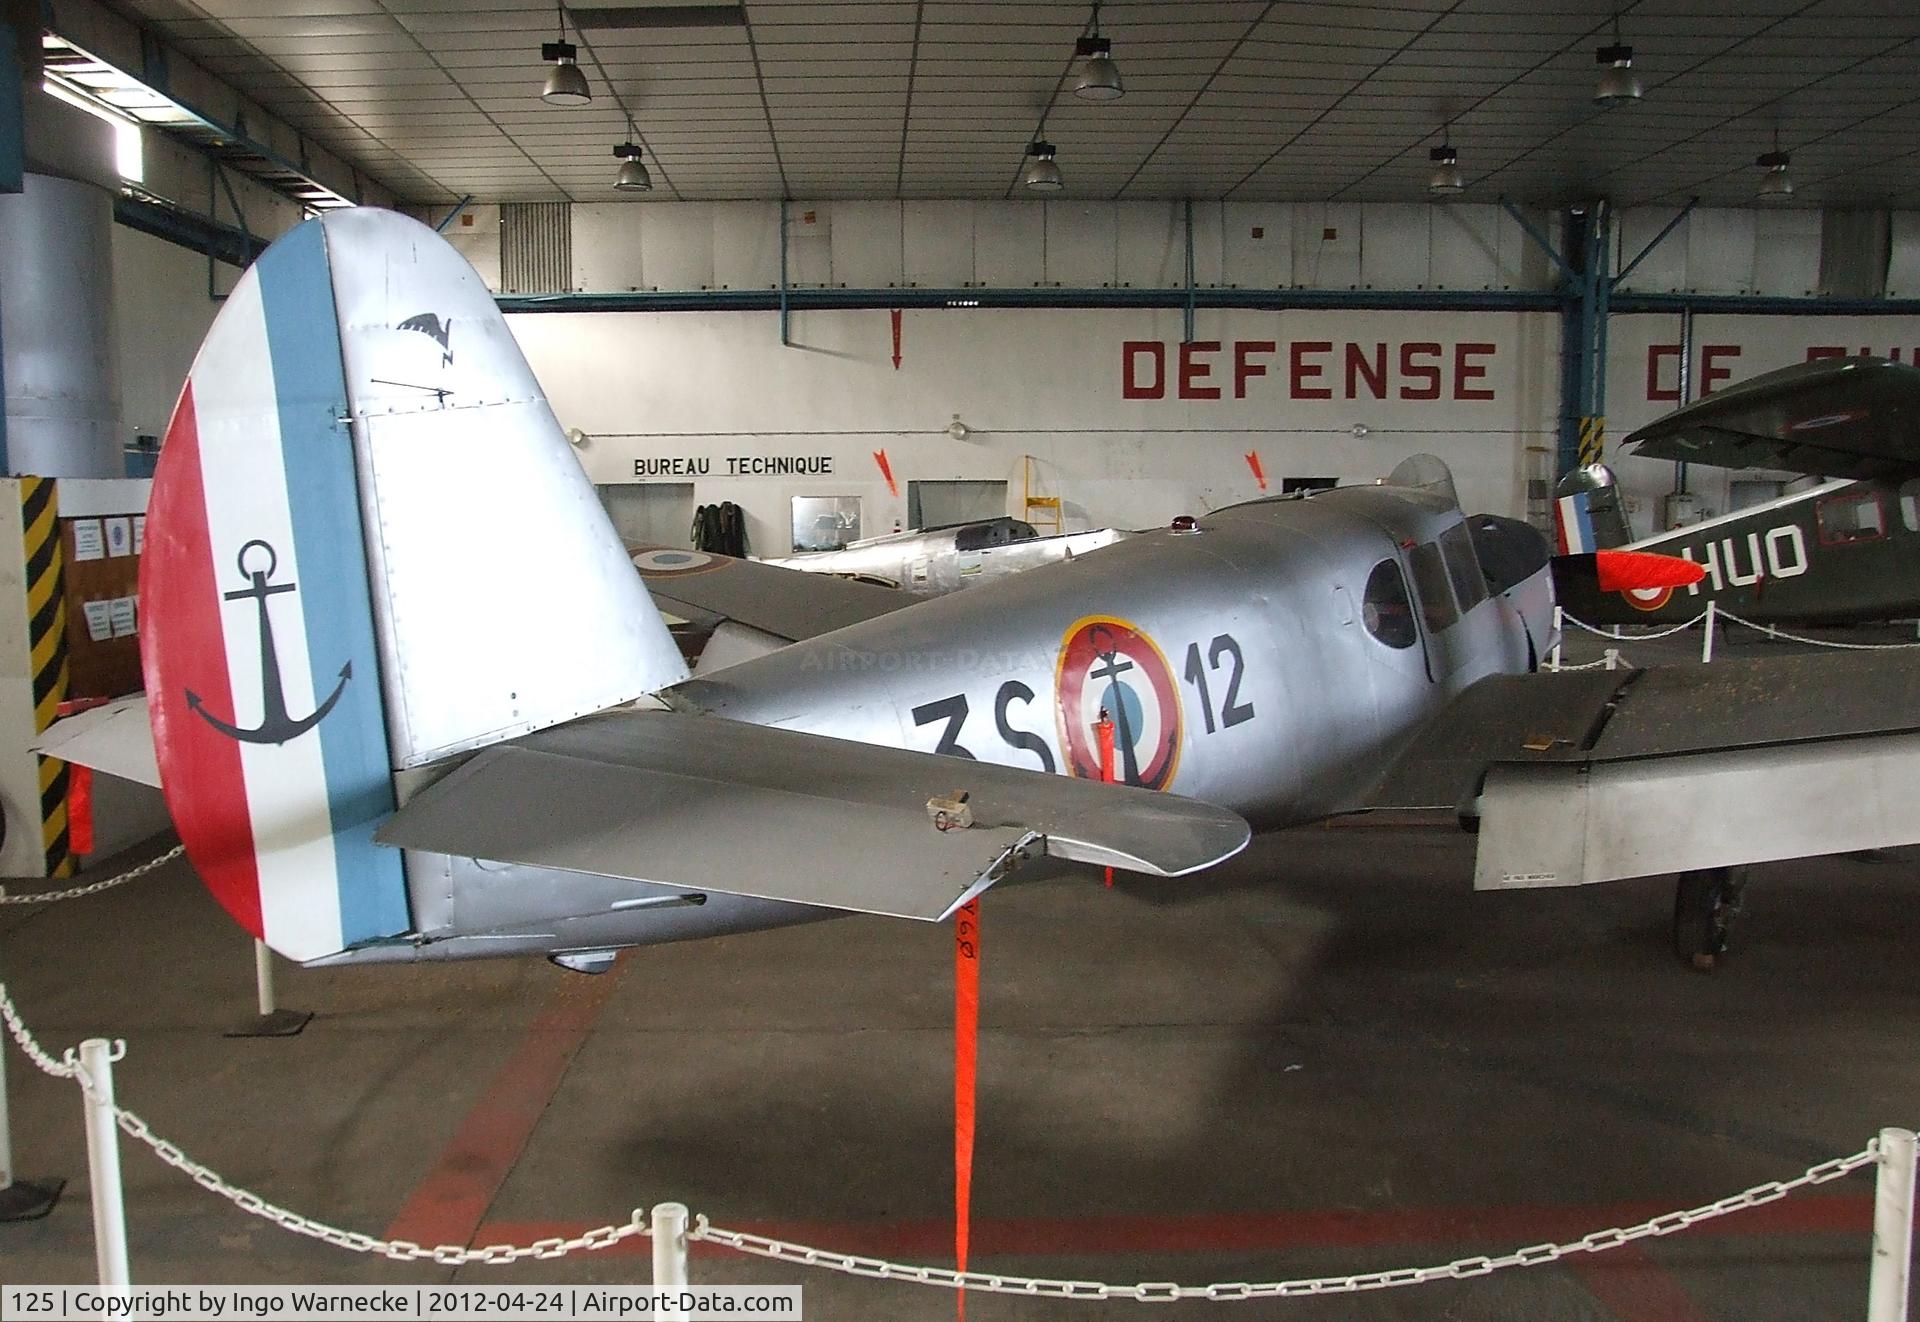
[1587,513]
[368,546]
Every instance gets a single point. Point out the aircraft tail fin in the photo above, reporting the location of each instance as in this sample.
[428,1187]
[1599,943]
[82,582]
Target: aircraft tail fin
[1587,513]
[369,547]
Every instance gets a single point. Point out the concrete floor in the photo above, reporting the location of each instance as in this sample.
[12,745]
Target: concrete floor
[1328,1056]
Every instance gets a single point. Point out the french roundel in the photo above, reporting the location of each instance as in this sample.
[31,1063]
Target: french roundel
[1106,663]
[667,562]
[1648,599]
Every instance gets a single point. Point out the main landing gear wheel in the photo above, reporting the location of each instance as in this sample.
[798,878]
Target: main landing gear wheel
[1705,903]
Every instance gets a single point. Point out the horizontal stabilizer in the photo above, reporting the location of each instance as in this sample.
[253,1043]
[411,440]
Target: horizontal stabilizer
[707,804]
[115,739]
[790,604]
[1834,417]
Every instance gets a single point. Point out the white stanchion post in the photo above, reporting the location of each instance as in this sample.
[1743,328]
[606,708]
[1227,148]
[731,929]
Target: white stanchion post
[1892,1228]
[1613,658]
[263,976]
[1706,636]
[668,1225]
[1559,627]
[6,1122]
[103,1164]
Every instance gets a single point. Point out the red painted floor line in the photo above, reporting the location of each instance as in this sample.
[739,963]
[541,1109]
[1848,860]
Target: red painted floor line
[449,1204]
[1634,1287]
[1468,1230]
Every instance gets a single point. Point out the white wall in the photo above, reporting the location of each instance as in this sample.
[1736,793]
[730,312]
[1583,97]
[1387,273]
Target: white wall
[161,312]
[707,388]
[625,246]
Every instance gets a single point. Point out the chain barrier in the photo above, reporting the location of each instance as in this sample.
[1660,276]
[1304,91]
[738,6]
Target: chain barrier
[1618,637]
[1619,661]
[399,1250]
[1166,1291]
[1773,631]
[94,888]
[1770,630]
[803,1255]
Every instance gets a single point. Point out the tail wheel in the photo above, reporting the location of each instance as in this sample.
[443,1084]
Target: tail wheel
[1705,904]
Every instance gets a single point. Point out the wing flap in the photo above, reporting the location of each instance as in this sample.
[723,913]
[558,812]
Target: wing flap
[1596,776]
[707,804]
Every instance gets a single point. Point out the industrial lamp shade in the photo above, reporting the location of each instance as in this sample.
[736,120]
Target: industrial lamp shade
[633,176]
[566,85]
[1041,172]
[1619,82]
[1445,180]
[1776,185]
[1099,75]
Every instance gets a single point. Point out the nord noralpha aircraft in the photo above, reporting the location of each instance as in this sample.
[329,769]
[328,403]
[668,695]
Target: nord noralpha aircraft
[1845,550]
[410,701]
[931,561]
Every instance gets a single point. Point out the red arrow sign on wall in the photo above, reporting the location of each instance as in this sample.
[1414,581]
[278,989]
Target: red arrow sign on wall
[896,339]
[1259,474]
[886,471]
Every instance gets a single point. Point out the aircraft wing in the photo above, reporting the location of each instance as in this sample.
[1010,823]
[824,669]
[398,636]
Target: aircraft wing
[710,804]
[788,605]
[1598,775]
[1833,417]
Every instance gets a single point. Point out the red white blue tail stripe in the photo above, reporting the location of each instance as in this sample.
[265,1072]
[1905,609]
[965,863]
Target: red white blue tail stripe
[259,646]
[1573,523]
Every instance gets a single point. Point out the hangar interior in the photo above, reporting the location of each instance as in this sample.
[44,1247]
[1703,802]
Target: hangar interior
[865,268]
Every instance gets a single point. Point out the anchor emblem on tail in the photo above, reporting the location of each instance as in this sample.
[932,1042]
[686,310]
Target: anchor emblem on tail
[276,725]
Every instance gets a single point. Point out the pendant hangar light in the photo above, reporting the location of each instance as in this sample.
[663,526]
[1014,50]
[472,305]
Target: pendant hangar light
[633,176]
[1042,174]
[1619,84]
[1776,185]
[566,85]
[1445,181]
[1099,75]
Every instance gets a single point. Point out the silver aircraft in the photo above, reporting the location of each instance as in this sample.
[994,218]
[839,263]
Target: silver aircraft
[410,701]
[931,561]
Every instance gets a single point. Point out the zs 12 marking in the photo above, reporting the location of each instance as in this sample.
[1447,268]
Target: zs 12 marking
[1111,667]
[953,711]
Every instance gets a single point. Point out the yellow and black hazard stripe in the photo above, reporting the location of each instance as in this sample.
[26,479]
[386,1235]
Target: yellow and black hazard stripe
[1593,439]
[47,648]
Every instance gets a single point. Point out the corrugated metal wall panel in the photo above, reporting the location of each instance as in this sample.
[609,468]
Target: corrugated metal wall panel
[536,247]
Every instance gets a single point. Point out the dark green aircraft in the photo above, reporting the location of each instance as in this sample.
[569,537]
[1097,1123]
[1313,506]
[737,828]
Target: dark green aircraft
[1847,550]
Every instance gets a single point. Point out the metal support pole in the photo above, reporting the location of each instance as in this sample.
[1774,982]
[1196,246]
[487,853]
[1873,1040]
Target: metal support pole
[1706,641]
[786,311]
[263,976]
[1613,658]
[1887,1288]
[271,1021]
[1559,622]
[1186,325]
[1686,387]
[1658,239]
[103,1163]
[668,1226]
[20,1200]
[454,214]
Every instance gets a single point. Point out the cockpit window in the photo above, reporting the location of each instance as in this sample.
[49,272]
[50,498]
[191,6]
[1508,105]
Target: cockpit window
[1463,567]
[1385,608]
[1430,581]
